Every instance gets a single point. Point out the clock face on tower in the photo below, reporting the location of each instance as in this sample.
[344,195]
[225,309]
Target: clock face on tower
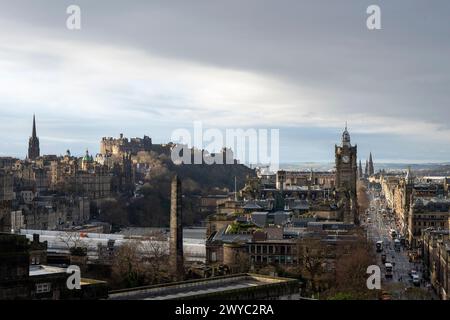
[346,159]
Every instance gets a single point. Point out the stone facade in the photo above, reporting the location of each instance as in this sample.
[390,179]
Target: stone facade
[123,146]
[436,258]
[346,177]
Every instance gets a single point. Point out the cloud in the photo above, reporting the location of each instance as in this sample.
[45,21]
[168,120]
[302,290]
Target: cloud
[155,66]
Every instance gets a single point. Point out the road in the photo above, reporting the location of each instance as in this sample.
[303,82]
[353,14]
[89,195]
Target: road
[379,221]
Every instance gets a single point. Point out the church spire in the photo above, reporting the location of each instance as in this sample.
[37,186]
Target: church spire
[34,135]
[371,167]
[33,143]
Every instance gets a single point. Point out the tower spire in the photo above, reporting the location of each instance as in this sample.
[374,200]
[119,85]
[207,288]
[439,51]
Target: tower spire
[371,167]
[33,143]
[34,134]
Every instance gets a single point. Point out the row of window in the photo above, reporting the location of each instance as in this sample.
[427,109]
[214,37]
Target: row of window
[43,287]
[274,259]
[270,249]
[430,224]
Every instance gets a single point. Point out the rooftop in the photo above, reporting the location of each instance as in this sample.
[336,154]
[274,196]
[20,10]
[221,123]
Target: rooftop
[41,270]
[198,289]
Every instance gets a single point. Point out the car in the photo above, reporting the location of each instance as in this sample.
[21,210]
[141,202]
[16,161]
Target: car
[389,269]
[383,258]
[369,220]
[412,273]
[416,280]
[379,246]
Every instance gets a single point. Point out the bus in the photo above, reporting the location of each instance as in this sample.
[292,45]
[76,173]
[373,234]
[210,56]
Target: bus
[393,233]
[379,245]
[389,269]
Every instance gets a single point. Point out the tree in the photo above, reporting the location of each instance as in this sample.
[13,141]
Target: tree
[363,197]
[312,256]
[114,212]
[156,259]
[352,260]
[127,269]
[142,262]
[71,239]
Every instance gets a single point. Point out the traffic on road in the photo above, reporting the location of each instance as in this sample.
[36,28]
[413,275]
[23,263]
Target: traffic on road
[400,272]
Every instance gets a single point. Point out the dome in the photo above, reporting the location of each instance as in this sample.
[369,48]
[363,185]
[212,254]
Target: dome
[87,157]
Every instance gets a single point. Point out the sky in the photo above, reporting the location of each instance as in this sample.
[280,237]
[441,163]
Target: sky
[303,67]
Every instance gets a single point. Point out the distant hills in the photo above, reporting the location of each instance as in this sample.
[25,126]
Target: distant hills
[424,168]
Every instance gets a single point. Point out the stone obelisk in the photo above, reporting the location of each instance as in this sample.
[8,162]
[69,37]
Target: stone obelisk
[176,231]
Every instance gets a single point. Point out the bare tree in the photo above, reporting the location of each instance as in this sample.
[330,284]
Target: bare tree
[142,262]
[156,259]
[71,239]
[312,256]
[127,269]
[363,198]
[351,261]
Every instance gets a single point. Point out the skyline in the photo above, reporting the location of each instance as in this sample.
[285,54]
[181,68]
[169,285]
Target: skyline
[95,150]
[237,65]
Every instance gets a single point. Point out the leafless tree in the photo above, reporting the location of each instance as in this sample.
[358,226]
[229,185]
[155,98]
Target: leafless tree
[156,259]
[363,198]
[142,262]
[312,256]
[71,239]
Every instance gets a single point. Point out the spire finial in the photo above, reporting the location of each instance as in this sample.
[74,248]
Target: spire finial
[346,125]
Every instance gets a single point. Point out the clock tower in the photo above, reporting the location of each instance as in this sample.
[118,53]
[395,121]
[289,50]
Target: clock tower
[346,176]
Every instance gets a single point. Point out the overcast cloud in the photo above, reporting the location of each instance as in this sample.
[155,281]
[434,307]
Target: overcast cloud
[305,67]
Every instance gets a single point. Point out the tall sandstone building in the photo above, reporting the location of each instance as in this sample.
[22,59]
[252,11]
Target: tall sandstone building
[33,144]
[346,176]
[176,231]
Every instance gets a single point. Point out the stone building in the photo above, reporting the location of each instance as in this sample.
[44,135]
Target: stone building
[24,274]
[427,213]
[346,177]
[6,197]
[416,204]
[122,146]
[436,259]
[291,180]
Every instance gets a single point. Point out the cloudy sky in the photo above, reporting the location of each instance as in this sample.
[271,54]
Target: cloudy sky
[304,67]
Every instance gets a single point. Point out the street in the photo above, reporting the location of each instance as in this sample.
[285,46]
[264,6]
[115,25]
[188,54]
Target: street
[380,221]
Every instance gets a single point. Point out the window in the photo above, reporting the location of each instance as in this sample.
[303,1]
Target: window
[213,257]
[43,287]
